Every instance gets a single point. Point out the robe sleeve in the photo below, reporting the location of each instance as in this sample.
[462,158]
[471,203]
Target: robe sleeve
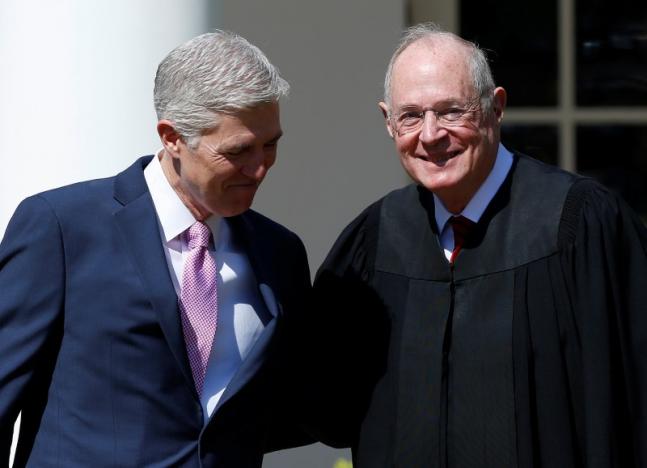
[607,267]
[346,327]
[286,430]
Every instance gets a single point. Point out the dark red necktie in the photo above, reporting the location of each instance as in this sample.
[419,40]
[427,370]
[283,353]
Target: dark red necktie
[461,227]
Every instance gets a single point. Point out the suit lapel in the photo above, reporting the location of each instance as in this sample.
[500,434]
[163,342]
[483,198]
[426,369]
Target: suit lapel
[137,223]
[258,253]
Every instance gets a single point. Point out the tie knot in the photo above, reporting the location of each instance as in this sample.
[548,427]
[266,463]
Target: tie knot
[461,226]
[198,235]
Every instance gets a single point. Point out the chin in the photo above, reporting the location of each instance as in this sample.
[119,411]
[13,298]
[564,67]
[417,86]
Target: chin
[436,183]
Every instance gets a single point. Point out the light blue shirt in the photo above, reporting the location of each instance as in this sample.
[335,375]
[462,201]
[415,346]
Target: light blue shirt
[242,311]
[479,202]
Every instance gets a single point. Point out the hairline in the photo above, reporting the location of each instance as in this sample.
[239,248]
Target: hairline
[431,35]
[213,74]
[194,140]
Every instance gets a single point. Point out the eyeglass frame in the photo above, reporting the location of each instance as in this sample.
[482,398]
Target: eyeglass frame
[463,113]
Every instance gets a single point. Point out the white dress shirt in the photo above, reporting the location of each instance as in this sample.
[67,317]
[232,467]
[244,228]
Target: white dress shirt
[479,202]
[242,311]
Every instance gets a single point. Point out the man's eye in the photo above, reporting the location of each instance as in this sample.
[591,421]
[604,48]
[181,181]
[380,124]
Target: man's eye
[410,117]
[452,114]
[235,151]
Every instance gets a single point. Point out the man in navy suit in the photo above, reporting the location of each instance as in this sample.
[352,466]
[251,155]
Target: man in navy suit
[125,342]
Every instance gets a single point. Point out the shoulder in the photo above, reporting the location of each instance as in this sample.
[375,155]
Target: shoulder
[585,210]
[355,248]
[531,170]
[59,201]
[369,218]
[360,229]
[260,221]
[34,232]
[594,211]
[78,192]
[79,201]
[33,214]
[538,195]
[94,193]
[270,229]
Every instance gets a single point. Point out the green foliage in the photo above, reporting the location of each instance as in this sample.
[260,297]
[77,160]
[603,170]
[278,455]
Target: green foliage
[343,463]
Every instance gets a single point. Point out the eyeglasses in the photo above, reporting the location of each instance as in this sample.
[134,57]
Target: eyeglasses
[411,120]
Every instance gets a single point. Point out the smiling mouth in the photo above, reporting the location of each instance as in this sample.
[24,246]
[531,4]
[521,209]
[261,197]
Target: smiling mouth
[440,158]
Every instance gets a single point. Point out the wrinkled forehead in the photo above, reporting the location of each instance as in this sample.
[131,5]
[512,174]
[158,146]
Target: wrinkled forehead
[263,118]
[430,71]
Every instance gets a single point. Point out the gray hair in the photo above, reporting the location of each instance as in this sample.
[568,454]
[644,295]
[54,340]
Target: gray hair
[482,79]
[214,73]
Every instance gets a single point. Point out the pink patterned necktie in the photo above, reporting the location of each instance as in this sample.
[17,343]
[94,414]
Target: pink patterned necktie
[199,300]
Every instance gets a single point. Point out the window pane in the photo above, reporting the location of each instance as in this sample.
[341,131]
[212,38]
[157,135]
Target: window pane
[611,52]
[539,141]
[617,157]
[521,40]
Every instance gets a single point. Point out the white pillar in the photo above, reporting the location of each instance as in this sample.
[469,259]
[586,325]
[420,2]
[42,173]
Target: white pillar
[76,86]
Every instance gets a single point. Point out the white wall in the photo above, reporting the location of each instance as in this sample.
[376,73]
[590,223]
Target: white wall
[335,157]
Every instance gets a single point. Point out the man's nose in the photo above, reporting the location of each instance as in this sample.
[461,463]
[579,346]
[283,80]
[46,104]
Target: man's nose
[257,166]
[431,130]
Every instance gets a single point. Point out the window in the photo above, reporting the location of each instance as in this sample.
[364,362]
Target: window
[576,76]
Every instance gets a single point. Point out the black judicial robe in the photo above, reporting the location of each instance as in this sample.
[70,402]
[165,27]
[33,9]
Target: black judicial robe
[531,351]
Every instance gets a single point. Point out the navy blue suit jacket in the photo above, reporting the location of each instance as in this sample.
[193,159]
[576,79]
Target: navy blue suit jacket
[91,342]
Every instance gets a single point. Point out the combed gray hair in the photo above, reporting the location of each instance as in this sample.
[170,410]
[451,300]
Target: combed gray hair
[218,72]
[477,61]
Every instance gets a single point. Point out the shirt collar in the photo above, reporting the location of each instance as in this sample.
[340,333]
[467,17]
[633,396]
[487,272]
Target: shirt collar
[173,215]
[483,196]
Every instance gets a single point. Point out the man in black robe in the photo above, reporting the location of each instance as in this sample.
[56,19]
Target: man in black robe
[524,347]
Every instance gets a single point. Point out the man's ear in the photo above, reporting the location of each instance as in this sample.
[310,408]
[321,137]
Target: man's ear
[385,113]
[171,139]
[499,102]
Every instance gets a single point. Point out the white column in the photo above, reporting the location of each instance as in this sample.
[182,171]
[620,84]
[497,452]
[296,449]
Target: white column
[76,86]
